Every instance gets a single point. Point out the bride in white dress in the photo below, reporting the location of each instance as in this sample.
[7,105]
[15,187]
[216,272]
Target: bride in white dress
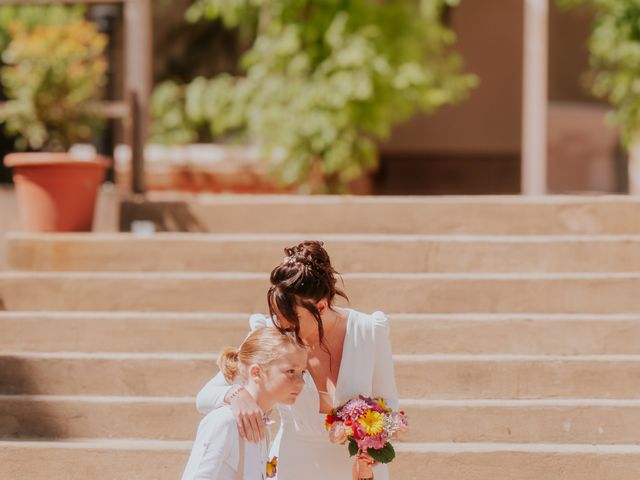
[349,354]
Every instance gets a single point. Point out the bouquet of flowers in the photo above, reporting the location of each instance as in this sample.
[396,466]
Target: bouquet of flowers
[367,425]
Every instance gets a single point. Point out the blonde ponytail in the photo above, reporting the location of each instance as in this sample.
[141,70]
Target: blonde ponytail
[229,364]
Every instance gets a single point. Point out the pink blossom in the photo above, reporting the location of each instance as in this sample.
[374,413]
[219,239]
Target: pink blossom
[338,433]
[376,442]
[354,409]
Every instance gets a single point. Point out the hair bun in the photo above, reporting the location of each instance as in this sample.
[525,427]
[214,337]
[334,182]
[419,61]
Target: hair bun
[304,277]
[229,363]
[310,253]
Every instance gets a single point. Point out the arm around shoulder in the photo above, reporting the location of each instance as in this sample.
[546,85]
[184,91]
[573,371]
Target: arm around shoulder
[212,394]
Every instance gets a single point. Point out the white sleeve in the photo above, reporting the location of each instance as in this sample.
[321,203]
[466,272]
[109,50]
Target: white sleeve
[212,394]
[213,445]
[384,380]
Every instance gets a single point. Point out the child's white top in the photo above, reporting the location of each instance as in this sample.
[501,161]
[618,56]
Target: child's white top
[216,451]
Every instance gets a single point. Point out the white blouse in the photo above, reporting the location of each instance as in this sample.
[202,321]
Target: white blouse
[302,443]
[216,451]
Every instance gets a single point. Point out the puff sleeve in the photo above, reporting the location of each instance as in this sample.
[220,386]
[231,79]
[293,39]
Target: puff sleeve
[212,394]
[384,381]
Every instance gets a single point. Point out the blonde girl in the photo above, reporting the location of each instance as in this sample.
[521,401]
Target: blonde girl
[269,365]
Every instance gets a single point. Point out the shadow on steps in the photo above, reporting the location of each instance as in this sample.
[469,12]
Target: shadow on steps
[21,414]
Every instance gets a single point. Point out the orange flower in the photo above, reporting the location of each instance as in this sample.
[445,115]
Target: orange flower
[272,467]
[329,420]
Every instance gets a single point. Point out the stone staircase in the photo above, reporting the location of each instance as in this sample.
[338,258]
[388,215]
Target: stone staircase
[515,331]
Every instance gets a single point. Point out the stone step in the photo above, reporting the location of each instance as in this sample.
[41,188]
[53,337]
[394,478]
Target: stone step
[170,418]
[165,460]
[525,334]
[497,215]
[350,253]
[403,293]
[418,376]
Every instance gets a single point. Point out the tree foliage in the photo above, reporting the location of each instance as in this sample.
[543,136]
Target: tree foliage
[325,79]
[615,59]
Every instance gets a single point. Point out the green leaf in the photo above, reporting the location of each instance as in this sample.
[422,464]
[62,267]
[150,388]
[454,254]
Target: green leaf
[353,447]
[383,455]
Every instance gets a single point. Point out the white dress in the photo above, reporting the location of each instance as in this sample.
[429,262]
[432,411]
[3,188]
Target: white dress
[302,443]
[216,451]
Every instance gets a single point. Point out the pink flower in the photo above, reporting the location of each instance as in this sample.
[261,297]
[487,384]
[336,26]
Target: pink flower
[376,442]
[339,433]
[403,422]
[358,431]
[354,409]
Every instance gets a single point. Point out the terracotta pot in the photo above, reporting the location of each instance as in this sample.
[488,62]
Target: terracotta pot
[56,193]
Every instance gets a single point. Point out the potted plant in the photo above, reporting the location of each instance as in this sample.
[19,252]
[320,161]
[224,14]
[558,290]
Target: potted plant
[52,77]
[614,76]
[323,82]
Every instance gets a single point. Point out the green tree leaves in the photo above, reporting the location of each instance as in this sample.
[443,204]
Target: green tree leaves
[325,79]
[615,59]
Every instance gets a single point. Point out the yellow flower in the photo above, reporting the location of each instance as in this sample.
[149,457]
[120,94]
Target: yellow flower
[372,422]
[383,404]
[272,467]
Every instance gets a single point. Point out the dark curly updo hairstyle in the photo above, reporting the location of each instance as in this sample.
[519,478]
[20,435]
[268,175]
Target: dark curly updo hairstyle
[304,277]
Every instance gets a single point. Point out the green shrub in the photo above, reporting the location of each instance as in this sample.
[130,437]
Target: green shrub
[615,59]
[325,80]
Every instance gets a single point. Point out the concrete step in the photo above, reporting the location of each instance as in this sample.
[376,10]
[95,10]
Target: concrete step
[418,376]
[350,253]
[402,293]
[498,215]
[525,334]
[170,418]
[165,460]
[62,417]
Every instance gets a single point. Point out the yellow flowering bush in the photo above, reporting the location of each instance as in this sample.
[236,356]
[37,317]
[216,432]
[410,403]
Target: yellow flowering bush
[53,75]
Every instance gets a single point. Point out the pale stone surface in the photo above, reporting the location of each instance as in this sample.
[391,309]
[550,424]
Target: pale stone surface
[101,460]
[504,375]
[418,376]
[402,293]
[349,253]
[158,418]
[410,333]
[499,215]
